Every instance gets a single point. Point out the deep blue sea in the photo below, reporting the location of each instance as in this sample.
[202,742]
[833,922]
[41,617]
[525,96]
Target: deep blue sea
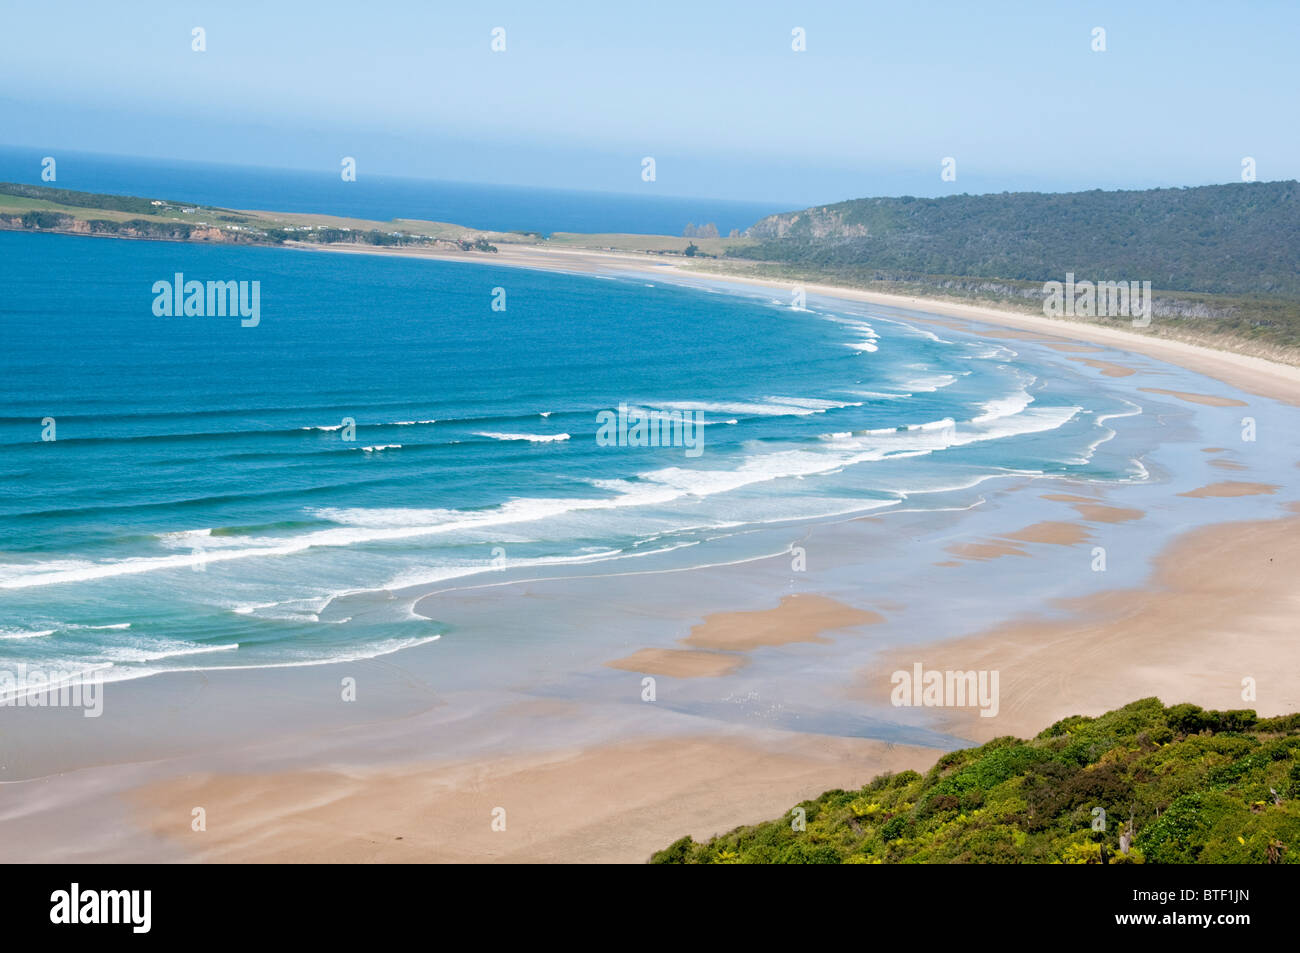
[202,505]
[382,198]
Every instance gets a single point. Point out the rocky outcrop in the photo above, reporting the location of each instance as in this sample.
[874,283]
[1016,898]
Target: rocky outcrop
[821,223]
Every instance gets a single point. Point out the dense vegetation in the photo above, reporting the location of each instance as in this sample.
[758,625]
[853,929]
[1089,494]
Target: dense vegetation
[1197,786]
[1226,239]
[1223,259]
[116,203]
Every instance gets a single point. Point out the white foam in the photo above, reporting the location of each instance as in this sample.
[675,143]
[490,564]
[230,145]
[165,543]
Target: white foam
[767,407]
[929,383]
[944,424]
[15,572]
[866,335]
[1107,433]
[984,351]
[373,650]
[184,537]
[24,633]
[1003,417]
[129,654]
[359,653]
[425,576]
[531,437]
[306,609]
[1007,406]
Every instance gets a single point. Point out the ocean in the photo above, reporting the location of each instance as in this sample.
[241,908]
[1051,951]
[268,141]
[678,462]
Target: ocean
[217,495]
[382,198]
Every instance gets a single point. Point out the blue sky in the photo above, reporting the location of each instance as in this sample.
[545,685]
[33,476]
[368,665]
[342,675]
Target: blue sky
[712,90]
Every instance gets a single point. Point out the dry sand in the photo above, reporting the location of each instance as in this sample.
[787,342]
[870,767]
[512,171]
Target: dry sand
[985,550]
[797,618]
[1096,513]
[1056,533]
[1228,465]
[1071,348]
[1108,368]
[1232,488]
[681,663]
[1009,544]
[1209,400]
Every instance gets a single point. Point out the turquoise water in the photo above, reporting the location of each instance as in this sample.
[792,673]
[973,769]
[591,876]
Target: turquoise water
[201,507]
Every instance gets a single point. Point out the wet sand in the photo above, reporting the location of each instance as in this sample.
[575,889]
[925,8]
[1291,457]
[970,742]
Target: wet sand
[608,804]
[1221,608]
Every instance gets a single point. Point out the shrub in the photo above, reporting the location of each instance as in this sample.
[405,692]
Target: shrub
[1198,786]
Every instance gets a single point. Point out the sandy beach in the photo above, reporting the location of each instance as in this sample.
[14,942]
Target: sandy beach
[1218,613]
[1221,609]
[606,804]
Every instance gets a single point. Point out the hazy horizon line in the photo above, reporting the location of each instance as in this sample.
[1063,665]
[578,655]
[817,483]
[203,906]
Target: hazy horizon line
[519,186]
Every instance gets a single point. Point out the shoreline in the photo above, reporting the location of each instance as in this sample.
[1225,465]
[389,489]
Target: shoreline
[1255,375]
[719,782]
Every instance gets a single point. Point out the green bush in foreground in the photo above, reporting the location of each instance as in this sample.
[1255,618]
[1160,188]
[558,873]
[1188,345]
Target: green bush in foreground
[1177,785]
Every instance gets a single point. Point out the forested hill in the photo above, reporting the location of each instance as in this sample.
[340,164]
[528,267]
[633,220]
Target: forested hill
[1239,239]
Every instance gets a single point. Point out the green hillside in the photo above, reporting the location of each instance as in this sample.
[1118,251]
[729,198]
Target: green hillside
[1222,259]
[1199,786]
[1224,239]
